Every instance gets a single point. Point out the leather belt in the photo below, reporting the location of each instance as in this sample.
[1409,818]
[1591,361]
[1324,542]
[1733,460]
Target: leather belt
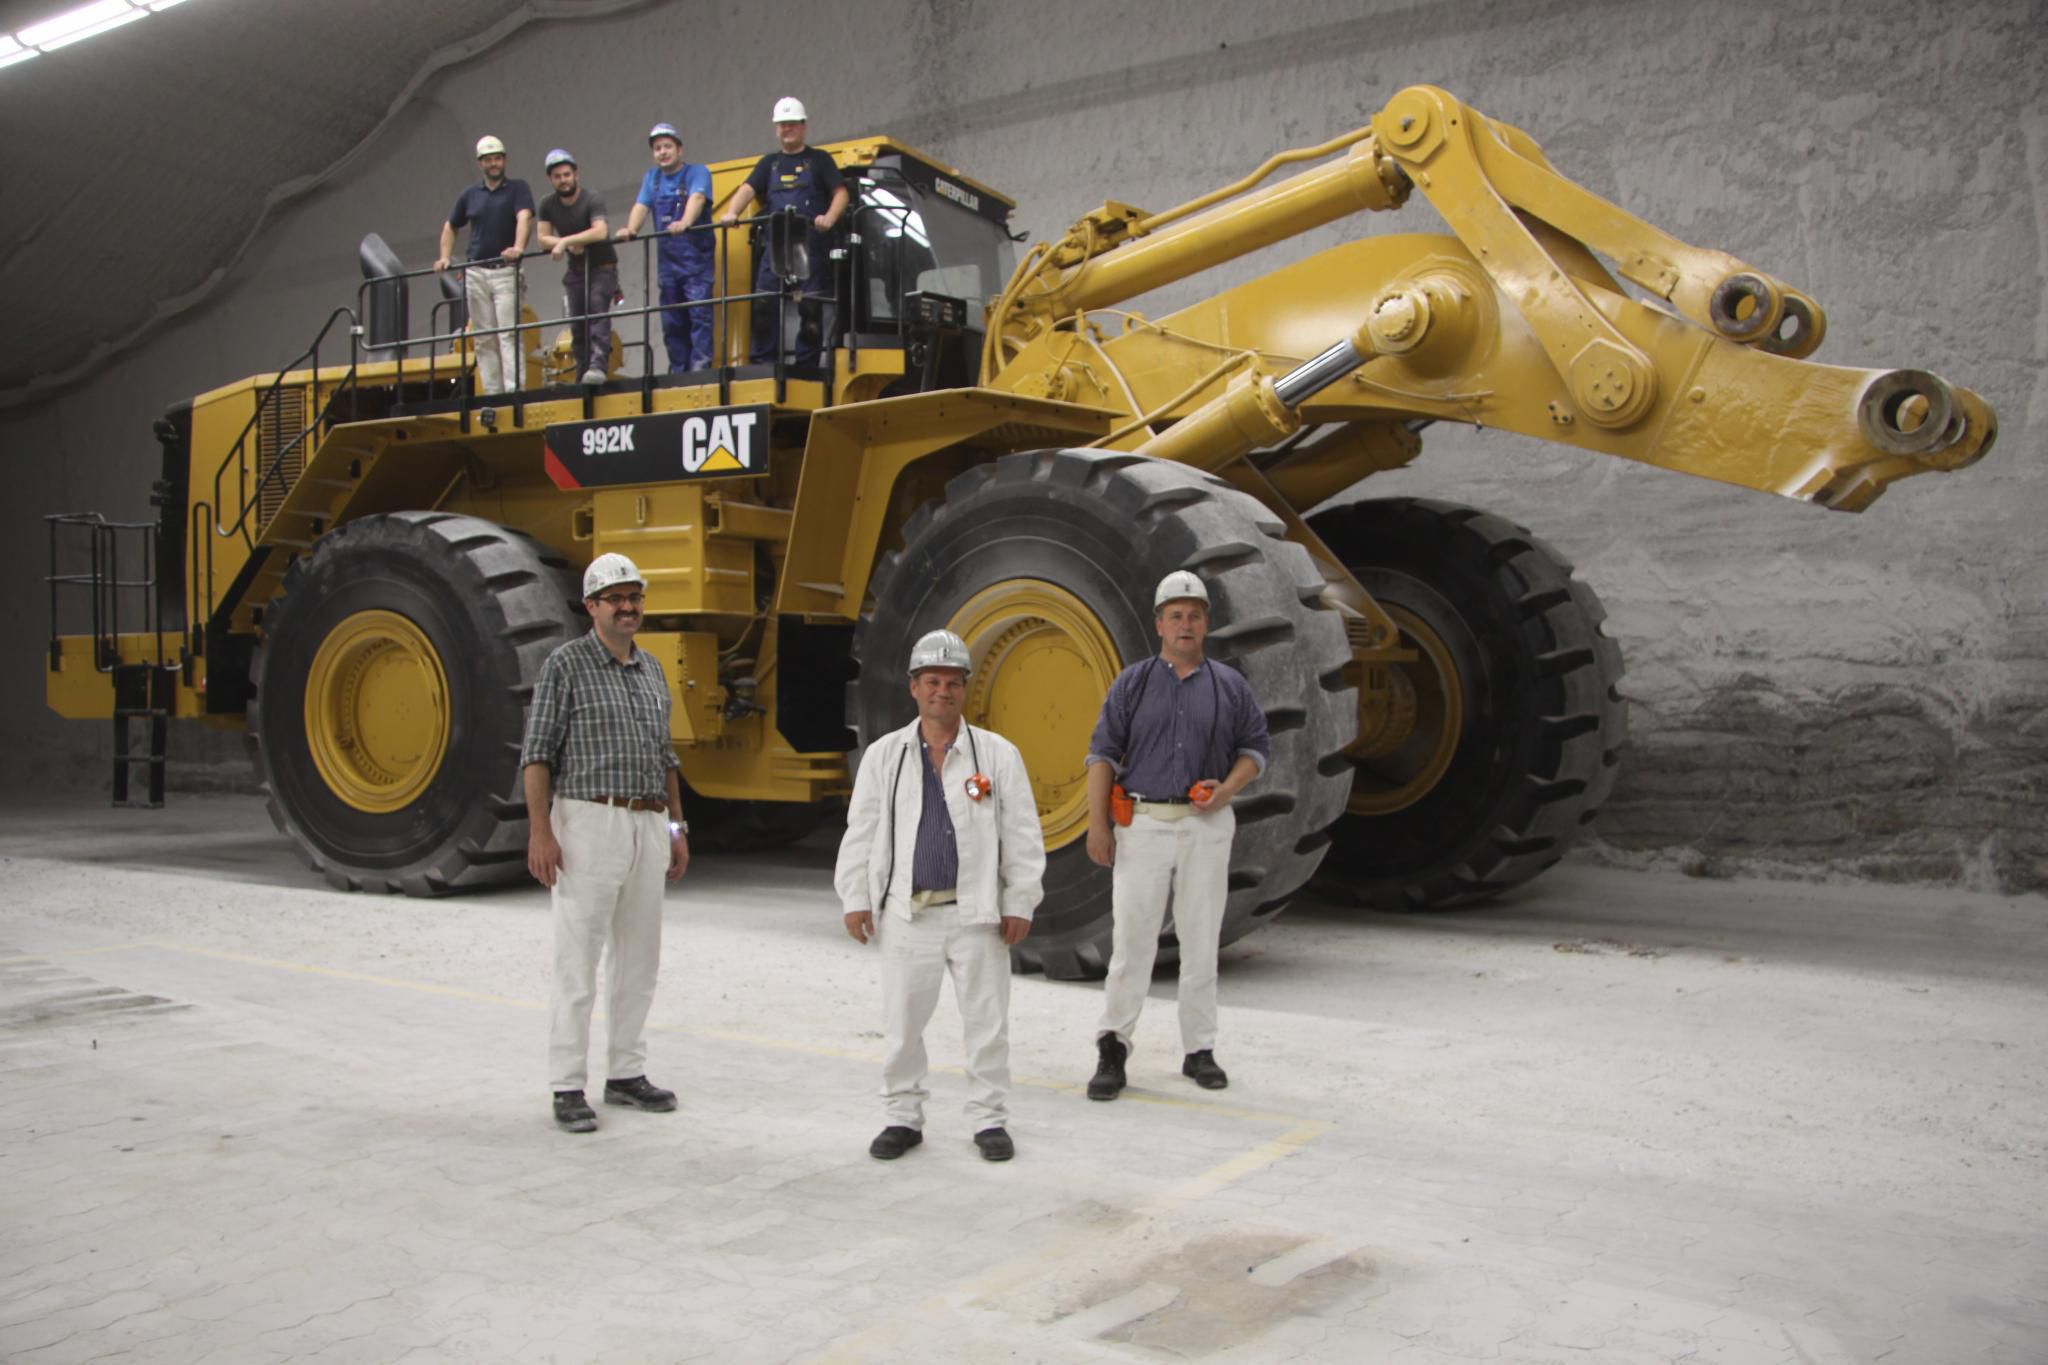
[1159,800]
[631,802]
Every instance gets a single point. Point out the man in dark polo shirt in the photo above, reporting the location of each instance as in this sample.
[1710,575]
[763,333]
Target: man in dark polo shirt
[1182,734]
[499,215]
[604,817]
[573,229]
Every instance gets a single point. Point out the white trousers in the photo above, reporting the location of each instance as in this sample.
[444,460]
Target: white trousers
[493,299]
[917,955]
[607,901]
[1188,861]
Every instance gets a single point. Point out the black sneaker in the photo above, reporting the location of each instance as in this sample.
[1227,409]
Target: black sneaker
[1108,1081]
[574,1113]
[995,1144]
[893,1142]
[639,1094]
[1202,1066]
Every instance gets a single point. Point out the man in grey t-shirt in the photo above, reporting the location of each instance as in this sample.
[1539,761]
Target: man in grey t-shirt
[573,229]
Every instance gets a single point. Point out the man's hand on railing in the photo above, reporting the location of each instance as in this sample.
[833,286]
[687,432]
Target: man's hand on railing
[677,226]
[441,264]
[624,234]
[512,253]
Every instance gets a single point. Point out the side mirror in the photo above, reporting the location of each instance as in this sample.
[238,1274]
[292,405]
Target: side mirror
[789,248]
[387,306]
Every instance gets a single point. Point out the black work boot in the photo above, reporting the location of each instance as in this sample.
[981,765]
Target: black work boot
[893,1142]
[574,1113]
[639,1093]
[1202,1066]
[1108,1080]
[995,1144]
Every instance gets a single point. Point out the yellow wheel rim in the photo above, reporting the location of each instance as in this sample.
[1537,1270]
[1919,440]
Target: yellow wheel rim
[1410,719]
[377,711]
[1042,664]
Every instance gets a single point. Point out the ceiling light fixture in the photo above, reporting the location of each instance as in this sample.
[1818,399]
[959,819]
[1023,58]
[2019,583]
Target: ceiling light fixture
[86,21]
[73,23]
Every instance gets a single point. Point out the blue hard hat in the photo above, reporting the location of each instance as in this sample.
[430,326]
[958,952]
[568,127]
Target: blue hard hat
[664,130]
[557,157]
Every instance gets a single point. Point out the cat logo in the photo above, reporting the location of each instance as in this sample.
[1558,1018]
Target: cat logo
[723,443]
[660,447]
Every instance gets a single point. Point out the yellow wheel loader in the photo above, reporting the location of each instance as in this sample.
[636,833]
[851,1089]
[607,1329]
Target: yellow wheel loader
[363,560]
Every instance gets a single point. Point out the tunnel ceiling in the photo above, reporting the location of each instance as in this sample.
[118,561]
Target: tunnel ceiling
[140,160]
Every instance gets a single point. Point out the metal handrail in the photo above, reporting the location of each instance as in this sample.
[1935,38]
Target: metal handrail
[463,343]
[105,586]
[465,339]
[238,449]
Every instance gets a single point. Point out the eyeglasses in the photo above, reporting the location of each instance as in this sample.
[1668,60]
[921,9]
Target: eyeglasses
[622,599]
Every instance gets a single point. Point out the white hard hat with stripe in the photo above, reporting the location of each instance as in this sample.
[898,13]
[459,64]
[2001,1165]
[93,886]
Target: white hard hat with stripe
[1179,585]
[488,146]
[608,571]
[940,649]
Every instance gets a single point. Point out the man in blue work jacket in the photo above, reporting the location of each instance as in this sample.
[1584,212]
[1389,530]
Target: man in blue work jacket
[807,181]
[677,193]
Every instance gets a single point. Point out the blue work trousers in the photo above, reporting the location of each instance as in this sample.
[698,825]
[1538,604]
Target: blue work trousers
[686,331]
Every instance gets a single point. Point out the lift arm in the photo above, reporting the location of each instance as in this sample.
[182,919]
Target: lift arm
[1512,321]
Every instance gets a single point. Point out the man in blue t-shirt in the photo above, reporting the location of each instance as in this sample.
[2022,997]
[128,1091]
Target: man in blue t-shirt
[804,180]
[499,215]
[677,194]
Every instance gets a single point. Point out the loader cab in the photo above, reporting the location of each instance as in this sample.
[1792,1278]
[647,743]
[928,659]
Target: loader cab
[927,252]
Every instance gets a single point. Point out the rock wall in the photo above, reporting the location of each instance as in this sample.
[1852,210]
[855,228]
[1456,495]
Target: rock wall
[1811,693]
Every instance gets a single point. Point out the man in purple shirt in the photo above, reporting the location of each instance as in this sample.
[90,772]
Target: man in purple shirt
[1183,735]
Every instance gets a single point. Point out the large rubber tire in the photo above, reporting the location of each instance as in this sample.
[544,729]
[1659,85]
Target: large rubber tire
[491,604]
[1543,721]
[1104,528]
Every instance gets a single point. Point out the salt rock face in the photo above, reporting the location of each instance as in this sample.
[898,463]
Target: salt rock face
[1796,715]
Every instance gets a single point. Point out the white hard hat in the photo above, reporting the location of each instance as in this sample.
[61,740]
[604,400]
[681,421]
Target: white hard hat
[667,130]
[608,571]
[1178,585]
[489,146]
[559,157]
[940,649]
[790,109]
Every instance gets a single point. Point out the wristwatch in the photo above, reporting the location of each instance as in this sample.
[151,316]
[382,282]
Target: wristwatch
[676,827]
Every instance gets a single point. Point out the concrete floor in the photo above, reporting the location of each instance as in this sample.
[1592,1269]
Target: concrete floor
[1625,1118]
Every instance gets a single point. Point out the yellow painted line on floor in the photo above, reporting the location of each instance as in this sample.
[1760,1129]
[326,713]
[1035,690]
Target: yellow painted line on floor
[1245,1163]
[339,974]
[71,952]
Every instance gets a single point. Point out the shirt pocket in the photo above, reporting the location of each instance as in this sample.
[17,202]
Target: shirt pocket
[649,703]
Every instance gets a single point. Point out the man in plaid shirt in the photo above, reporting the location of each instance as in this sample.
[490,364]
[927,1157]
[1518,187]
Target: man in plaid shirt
[605,814]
